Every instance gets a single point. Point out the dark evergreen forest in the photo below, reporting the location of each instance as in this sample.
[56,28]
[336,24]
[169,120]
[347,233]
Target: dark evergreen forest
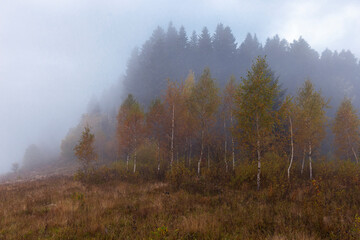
[172,53]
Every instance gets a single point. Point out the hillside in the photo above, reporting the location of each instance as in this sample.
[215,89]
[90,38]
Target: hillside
[61,208]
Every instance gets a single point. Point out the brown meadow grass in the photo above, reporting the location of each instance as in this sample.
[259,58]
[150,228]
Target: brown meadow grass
[62,208]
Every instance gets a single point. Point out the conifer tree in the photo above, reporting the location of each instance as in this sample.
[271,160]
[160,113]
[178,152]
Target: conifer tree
[85,151]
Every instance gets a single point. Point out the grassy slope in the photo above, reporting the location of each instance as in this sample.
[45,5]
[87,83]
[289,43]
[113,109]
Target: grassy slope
[61,208]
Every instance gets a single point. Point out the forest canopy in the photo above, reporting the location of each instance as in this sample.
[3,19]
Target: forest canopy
[165,73]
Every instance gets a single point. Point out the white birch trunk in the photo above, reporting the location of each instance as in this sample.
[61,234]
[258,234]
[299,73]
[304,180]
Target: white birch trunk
[225,147]
[208,157]
[352,148]
[127,162]
[135,160]
[258,152]
[303,162]
[201,151]
[190,154]
[172,135]
[292,147]
[158,153]
[310,161]
[232,142]
[356,158]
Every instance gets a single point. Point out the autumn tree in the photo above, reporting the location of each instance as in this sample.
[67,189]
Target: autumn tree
[285,129]
[188,120]
[311,119]
[346,131]
[177,117]
[130,129]
[84,150]
[256,112]
[204,103]
[155,126]
[228,117]
[171,102]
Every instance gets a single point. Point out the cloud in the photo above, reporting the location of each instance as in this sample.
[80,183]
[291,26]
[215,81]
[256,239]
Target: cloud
[323,24]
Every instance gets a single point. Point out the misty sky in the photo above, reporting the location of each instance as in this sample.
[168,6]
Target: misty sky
[56,55]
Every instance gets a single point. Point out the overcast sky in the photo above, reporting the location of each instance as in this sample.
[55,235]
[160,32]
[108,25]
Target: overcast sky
[55,55]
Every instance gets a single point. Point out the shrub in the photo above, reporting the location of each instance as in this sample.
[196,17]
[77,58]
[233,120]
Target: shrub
[180,176]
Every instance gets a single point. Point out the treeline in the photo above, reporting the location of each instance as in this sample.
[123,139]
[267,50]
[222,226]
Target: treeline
[172,52]
[198,125]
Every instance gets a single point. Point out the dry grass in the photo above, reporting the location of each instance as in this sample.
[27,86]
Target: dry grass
[61,208]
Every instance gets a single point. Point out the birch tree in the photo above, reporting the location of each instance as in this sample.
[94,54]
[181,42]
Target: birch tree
[286,114]
[228,115]
[255,112]
[346,131]
[188,118]
[204,103]
[311,119]
[155,126]
[130,129]
[174,107]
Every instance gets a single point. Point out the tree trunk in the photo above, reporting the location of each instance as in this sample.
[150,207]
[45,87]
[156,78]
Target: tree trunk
[158,155]
[172,135]
[292,147]
[352,148]
[232,142]
[127,162]
[135,153]
[258,152]
[190,154]
[356,158]
[201,151]
[208,157]
[310,161]
[135,160]
[303,162]
[225,147]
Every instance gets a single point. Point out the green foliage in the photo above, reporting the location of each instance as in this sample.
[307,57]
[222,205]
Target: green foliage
[255,107]
[273,173]
[130,127]
[245,175]
[148,161]
[346,130]
[355,231]
[204,99]
[180,176]
[310,115]
[85,151]
[161,233]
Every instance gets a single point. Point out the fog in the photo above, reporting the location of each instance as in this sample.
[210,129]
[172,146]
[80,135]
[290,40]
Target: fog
[57,55]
